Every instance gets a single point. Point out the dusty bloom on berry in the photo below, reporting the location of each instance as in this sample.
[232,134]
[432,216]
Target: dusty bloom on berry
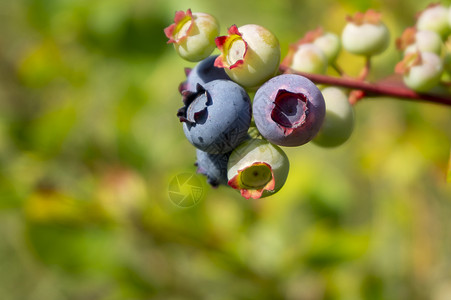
[193,34]
[288,110]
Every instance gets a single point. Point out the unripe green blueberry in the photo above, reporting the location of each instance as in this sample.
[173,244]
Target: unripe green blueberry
[447,63]
[449,17]
[421,71]
[435,18]
[313,52]
[330,45]
[250,54]
[257,168]
[193,34]
[365,34]
[339,120]
[447,57]
[413,40]
[309,58]
[426,41]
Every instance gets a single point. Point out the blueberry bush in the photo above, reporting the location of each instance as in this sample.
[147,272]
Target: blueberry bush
[273,159]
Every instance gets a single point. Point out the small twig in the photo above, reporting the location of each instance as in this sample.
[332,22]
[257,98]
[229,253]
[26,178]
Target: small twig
[338,69]
[366,69]
[446,83]
[373,89]
[355,96]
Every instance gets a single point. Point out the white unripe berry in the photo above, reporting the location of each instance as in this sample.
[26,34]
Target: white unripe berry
[421,71]
[365,34]
[435,18]
[310,59]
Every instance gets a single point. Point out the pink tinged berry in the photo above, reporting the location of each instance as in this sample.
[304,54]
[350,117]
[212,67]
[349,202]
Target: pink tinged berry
[233,49]
[365,34]
[435,17]
[339,120]
[250,54]
[421,70]
[193,34]
[253,180]
[413,40]
[288,110]
[257,168]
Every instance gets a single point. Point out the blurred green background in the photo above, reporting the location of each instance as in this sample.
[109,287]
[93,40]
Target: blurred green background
[89,142]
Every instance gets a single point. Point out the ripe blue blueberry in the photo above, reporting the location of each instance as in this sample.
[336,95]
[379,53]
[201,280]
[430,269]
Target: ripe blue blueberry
[217,116]
[288,110]
[203,72]
[213,166]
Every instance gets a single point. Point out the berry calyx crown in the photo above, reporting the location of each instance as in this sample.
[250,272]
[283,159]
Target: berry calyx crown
[179,30]
[232,53]
[369,17]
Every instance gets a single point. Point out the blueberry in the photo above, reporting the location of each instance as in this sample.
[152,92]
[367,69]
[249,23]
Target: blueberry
[330,44]
[307,58]
[250,54]
[339,121]
[365,34]
[217,116]
[421,71]
[257,168]
[213,166]
[203,72]
[193,34]
[288,110]
[434,18]
[414,40]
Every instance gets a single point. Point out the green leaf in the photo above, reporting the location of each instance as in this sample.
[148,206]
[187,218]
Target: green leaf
[50,130]
[76,250]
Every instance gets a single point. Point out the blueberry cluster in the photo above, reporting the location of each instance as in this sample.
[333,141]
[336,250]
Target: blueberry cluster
[287,109]
[216,118]
[426,49]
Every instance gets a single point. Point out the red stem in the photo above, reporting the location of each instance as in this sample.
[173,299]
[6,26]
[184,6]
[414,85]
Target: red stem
[373,89]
